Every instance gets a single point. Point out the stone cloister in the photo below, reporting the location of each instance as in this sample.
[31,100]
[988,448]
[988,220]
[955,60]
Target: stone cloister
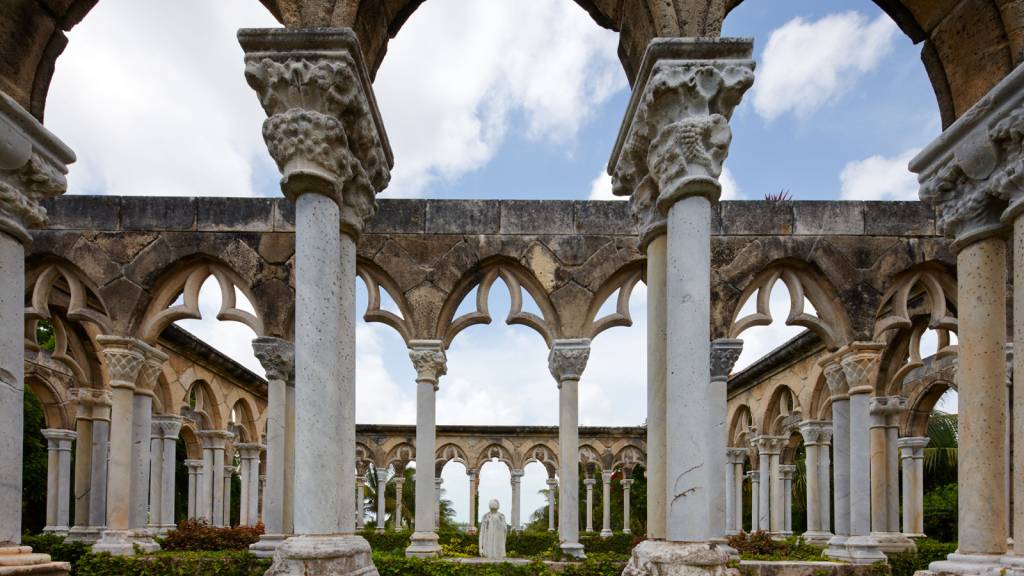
[112,275]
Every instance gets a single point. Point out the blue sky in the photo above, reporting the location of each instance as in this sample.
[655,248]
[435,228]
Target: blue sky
[513,99]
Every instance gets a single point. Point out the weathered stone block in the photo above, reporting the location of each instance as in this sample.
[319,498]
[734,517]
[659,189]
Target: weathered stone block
[157,213]
[399,216]
[463,217]
[532,217]
[231,214]
[898,219]
[284,216]
[741,218]
[73,212]
[604,218]
[828,218]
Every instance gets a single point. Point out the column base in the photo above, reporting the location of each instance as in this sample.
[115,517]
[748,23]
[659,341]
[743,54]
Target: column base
[340,555]
[56,530]
[143,539]
[84,534]
[573,549]
[968,565]
[627,531]
[662,558]
[723,545]
[471,531]
[1014,565]
[606,533]
[116,543]
[893,542]
[20,561]
[267,545]
[817,538]
[423,545]
[836,548]
[864,550]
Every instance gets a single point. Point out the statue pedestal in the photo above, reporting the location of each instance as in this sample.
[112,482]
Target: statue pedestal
[662,558]
[337,555]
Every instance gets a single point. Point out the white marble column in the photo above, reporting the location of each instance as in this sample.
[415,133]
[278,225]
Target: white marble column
[755,499]
[589,484]
[606,503]
[396,518]
[428,357]
[124,358]
[836,380]
[313,83]
[58,479]
[437,501]
[194,468]
[229,473]
[786,472]
[277,356]
[817,436]
[652,236]
[142,434]
[552,490]
[735,457]
[360,499]
[967,175]
[769,509]
[776,492]
[92,405]
[885,475]
[32,167]
[724,353]
[474,487]
[626,483]
[163,454]
[516,481]
[912,456]
[381,476]
[860,365]
[566,361]
[250,474]
[211,500]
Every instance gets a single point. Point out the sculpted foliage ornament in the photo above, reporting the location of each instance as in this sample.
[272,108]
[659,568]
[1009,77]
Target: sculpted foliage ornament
[724,354]
[568,359]
[429,360]
[277,357]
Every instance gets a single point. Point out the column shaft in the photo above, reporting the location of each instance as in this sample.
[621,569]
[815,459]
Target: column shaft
[606,504]
[552,490]
[382,490]
[396,518]
[738,495]
[156,466]
[517,476]
[879,475]
[167,490]
[589,483]
[813,489]
[656,377]
[764,499]
[83,472]
[120,477]
[625,505]
[98,474]
[730,499]
[12,370]
[142,432]
[273,493]
[777,515]
[425,440]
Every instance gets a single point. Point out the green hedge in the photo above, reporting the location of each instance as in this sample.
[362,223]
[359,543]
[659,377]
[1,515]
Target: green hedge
[173,564]
[391,565]
[928,551]
[529,544]
[56,547]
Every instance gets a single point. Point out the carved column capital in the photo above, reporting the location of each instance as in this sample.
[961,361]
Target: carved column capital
[835,378]
[215,439]
[912,446]
[323,128]
[429,359]
[816,433]
[33,165]
[771,445]
[568,359]
[676,133]
[194,466]
[249,450]
[516,476]
[754,475]
[860,362]
[786,471]
[277,356]
[57,439]
[91,403]
[736,455]
[152,367]
[973,173]
[124,358]
[724,353]
[166,427]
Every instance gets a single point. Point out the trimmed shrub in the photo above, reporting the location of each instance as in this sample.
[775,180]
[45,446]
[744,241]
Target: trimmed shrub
[761,546]
[928,551]
[198,536]
[173,564]
[56,547]
[940,513]
[391,565]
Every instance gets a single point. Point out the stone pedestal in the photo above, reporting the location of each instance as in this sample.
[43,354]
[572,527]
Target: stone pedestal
[20,561]
[660,558]
[342,555]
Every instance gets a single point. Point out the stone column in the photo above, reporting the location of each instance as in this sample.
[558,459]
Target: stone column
[428,357]
[912,456]
[776,492]
[58,479]
[566,361]
[211,501]
[142,434]
[32,167]
[589,483]
[277,357]
[685,92]
[885,474]
[124,358]
[382,487]
[967,175]
[194,468]
[250,472]
[162,472]
[552,489]
[755,499]
[817,436]
[836,380]
[516,480]
[606,504]
[315,89]
[474,487]
[360,499]
[735,457]
[786,476]
[860,365]
[437,500]
[98,473]
[626,483]
[396,518]
[92,405]
[769,510]
[229,473]
[724,353]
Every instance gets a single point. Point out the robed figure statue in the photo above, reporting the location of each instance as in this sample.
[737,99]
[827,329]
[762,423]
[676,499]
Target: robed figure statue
[492,533]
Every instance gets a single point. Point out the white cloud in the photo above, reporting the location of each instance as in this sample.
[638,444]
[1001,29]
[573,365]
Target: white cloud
[151,96]
[880,178]
[808,64]
[460,70]
[601,187]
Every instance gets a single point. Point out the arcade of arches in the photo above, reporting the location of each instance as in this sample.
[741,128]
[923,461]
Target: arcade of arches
[121,384]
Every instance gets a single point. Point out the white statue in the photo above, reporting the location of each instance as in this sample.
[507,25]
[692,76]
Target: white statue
[492,533]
